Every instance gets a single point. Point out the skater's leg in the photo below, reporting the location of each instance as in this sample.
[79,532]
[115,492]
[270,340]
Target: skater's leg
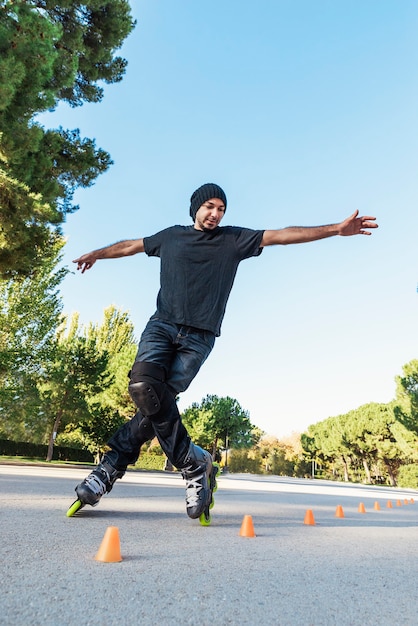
[169,357]
[126,443]
[124,450]
[154,400]
[149,391]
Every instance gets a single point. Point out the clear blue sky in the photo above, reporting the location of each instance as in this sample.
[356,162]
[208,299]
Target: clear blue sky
[303,111]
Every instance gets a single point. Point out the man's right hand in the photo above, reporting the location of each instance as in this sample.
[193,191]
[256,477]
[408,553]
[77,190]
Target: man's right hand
[85,262]
[127,247]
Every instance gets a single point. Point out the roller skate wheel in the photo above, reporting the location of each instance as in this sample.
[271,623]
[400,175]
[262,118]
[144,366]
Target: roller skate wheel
[76,506]
[205,519]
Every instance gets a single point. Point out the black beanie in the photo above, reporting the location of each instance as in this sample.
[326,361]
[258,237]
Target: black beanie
[203,194]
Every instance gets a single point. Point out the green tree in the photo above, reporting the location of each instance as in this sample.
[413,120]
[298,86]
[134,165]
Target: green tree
[245,461]
[365,441]
[379,440]
[220,422]
[77,373]
[406,402]
[24,230]
[105,407]
[326,443]
[97,430]
[115,336]
[30,312]
[49,52]
[278,457]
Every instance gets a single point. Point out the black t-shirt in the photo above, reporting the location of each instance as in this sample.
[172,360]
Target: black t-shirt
[198,269]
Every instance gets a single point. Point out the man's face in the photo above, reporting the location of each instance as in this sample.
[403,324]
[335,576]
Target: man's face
[209,215]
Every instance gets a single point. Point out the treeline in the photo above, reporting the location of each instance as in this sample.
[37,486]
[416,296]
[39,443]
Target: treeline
[270,455]
[375,443]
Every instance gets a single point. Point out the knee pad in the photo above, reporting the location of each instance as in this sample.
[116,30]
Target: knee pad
[147,387]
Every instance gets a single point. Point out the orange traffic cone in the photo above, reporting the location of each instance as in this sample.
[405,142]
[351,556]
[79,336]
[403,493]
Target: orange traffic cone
[309,518]
[412,500]
[389,504]
[406,501]
[376,506]
[247,527]
[398,503]
[339,512]
[361,508]
[109,551]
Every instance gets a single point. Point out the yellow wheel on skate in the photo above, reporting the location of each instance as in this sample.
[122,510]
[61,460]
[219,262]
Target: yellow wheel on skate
[215,487]
[205,519]
[76,506]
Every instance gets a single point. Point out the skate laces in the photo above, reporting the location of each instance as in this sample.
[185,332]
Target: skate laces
[193,488]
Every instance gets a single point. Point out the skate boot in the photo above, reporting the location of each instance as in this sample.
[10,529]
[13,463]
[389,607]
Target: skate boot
[94,486]
[200,475]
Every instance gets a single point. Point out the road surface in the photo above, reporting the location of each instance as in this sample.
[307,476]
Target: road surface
[357,570]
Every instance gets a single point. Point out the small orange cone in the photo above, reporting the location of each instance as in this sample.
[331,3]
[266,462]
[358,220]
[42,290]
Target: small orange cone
[309,518]
[109,551]
[247,527]
[412,500]
[361,508]
[398,503]
[376,506]
[389,504]
[406,501]
[339,512]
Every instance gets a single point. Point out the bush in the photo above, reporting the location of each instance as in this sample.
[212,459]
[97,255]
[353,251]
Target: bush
[239,462]
[37,450]
[408,476]
[152,459]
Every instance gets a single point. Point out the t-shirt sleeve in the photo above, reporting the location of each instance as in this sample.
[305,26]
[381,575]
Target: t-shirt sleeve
[152,244]
[248,242]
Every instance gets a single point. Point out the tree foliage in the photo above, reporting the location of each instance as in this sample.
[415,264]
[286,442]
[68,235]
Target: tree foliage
[115,336]
[30,310]
[406,406]
[50,52]
[76,373]
[364,444]
[79,382]
[57,376]
[219,422]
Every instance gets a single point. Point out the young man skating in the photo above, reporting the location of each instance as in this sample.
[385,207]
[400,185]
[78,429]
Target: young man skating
[198,268]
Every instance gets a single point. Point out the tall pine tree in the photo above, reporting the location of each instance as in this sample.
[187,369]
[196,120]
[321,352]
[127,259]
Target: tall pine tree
[50,52]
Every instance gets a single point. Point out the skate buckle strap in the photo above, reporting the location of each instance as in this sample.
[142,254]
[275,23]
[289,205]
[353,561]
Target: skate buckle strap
[95,484]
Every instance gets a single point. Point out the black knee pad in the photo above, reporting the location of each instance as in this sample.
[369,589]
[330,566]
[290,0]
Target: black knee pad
[147,387]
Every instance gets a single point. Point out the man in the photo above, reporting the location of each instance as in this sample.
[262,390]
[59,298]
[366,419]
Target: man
[198,268]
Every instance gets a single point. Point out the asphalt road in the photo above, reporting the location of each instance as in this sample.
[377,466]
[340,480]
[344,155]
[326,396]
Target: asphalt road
[357,570]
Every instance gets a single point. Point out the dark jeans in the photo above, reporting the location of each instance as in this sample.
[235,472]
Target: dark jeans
[181,351]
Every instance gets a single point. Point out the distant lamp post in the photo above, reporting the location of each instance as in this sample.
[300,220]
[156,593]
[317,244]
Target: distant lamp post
[226,453]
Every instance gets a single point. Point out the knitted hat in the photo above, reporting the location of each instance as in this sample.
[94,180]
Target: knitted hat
[203,194]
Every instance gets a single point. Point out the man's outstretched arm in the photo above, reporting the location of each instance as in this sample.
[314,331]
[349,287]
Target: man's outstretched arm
[353,225]
[114,251]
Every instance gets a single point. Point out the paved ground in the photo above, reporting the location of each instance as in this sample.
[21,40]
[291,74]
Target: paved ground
[357,570]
